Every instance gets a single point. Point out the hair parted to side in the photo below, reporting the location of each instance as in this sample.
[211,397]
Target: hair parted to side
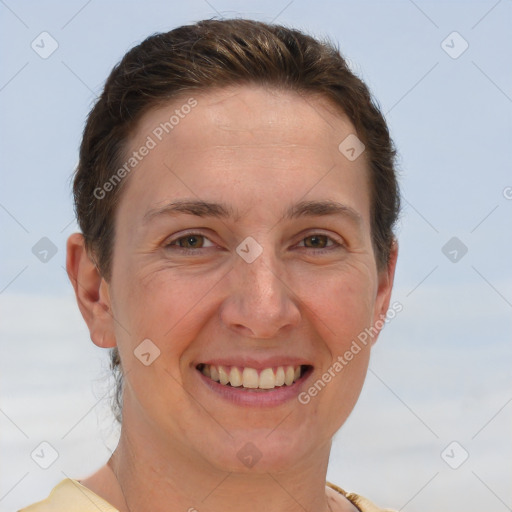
[215,54]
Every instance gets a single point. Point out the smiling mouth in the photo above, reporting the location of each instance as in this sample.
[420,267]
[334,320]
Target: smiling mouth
[250,378]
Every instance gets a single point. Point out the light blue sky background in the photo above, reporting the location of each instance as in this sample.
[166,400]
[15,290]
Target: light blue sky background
[441,369]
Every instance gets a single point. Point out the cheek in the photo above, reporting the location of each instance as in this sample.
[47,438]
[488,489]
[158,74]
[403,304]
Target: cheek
[340,303]
[167,307]
[341,310]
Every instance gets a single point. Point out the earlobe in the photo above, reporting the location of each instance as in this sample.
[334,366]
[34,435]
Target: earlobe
[91,291]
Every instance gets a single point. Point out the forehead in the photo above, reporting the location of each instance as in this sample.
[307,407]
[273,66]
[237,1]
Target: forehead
[257,138]
[249,114]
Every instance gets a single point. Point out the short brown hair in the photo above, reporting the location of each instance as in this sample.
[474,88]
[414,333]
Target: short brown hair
[214,54]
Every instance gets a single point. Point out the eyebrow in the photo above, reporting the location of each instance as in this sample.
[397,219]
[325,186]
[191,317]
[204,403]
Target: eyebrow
[322,208]
[218,210]
[190,207]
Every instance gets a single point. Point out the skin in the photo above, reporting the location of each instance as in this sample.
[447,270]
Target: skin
[258,151]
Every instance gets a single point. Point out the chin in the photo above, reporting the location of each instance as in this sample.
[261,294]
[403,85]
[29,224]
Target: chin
[259,452]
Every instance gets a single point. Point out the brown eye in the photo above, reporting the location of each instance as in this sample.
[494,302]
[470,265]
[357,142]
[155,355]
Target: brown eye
[191,241]
[317,241]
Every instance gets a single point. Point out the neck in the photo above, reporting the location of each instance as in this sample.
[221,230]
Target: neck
[151,477]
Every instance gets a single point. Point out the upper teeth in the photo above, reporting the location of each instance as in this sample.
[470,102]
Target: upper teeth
[249,378]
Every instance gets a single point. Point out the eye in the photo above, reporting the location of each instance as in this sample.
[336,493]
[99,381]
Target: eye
[317,241]
[191,241]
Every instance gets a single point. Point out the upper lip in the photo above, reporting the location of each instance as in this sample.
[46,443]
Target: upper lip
[257,364]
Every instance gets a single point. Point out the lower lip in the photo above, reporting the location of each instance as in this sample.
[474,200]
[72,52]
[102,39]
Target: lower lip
[257,397]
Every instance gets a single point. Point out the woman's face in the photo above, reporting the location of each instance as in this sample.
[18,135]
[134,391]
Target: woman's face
[243,241]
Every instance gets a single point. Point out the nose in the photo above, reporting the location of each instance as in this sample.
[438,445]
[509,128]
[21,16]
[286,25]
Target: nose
[260,302]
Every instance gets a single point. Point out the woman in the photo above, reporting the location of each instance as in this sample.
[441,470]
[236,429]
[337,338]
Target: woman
[236,195]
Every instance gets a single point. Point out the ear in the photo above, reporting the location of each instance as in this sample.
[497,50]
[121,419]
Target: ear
[386,277]
[91,291]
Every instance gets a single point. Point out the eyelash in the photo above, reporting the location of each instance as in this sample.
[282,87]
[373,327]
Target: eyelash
[330,240]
